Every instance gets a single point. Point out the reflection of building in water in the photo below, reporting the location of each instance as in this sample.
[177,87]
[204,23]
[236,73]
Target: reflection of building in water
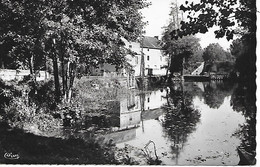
[129,115]
[155,99]
[129,110]
[130,107]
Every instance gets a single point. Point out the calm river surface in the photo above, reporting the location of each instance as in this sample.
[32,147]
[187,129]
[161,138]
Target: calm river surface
[189,124]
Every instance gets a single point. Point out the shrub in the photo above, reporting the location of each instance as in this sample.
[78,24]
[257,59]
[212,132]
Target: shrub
[30,117]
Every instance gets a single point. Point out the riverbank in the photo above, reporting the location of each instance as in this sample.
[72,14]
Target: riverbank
[37,113]
[93,110]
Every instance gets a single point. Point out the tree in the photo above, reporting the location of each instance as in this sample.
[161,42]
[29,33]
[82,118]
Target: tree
[178,50]
[69,33]
[197,56]
[231,18]
[214,52]
[224,14]
[228,16]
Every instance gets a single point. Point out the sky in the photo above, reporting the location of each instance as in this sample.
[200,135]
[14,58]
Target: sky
[158,17]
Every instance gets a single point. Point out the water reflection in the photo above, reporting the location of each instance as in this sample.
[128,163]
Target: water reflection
[132,111]
[180,118]
[190,124]
[215,92]
[243,101]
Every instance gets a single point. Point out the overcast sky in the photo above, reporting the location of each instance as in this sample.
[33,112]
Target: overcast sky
[157,16]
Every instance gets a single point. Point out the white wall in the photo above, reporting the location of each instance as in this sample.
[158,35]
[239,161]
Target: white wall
[9,75]
[155,62]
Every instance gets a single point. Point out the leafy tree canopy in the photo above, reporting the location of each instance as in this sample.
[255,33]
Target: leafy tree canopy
[70,33]
[178,49]
[88,29]
[222,13]
[214,52]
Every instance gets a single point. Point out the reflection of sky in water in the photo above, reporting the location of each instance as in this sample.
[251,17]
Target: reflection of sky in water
[210,142]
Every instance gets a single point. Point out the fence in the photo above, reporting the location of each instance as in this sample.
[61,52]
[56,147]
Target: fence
[9,75]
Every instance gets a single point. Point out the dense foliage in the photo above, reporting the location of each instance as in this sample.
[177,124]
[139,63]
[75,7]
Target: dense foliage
[67,33]
[179,50]
[232,18]
[227,15]
[214,52]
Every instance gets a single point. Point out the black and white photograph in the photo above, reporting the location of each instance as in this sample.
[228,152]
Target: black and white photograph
[128,82]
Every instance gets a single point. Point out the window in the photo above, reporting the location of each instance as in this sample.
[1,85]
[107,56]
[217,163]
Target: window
[148,58]
[148,49]
[130,46]
[136,60]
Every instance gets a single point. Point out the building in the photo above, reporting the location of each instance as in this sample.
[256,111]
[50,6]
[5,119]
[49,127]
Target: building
[154,61]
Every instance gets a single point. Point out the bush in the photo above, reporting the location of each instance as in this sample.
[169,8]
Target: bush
[31,118]
[8,90]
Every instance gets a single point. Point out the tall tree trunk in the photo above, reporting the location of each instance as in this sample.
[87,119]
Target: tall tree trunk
[56,77]
[66,81]
[69,80]
[182,70]
[167,79]
[2,62]
[32,71]
[45,59]
[63,74]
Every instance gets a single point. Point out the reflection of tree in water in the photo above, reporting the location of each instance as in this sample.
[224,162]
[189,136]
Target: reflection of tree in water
[243,100]
[215,93]
[180,117]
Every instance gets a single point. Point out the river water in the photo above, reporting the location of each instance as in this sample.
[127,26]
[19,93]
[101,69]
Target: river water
[184,124]
[190,123]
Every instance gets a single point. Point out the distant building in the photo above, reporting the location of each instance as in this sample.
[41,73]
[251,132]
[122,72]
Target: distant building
[155,62]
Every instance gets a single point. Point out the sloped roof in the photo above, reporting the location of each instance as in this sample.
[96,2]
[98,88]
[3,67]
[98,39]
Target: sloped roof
[151,43]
